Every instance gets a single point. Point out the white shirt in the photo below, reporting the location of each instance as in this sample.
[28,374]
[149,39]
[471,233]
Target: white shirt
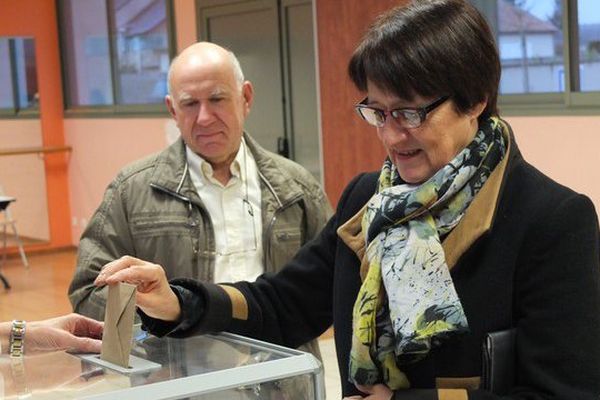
[235,212]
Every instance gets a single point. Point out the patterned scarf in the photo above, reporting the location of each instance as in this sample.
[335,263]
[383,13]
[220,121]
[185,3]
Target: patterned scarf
[417,306]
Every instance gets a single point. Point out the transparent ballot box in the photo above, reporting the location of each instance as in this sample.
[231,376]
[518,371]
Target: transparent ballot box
[215,367]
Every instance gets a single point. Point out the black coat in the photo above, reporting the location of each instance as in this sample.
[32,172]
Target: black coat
[526,255]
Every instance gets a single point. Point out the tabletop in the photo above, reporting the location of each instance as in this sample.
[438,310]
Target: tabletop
[209,367]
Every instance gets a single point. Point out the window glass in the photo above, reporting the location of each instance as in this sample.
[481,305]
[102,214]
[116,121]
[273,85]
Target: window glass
[6,94]
[116,51]
[87,52]
[589,44]
[530,42]
[26,73]
[142,46]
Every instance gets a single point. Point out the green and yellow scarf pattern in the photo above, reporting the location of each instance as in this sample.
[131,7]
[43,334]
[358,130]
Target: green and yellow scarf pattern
[407,302]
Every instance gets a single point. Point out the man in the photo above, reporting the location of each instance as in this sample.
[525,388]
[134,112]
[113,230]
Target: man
[213,206]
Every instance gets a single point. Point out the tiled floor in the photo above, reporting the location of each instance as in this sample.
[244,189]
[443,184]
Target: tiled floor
[39,291]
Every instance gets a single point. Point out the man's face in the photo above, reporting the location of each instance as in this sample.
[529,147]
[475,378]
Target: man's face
[209,106]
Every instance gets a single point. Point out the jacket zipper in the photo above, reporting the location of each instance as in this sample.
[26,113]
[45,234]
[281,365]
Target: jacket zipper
[267,235]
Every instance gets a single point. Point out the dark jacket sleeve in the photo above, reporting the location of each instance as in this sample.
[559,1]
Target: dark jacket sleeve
[106,238]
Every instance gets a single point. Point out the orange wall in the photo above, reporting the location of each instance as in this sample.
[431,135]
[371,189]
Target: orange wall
[185,21]
[100,149]
[347,146]
[37,19]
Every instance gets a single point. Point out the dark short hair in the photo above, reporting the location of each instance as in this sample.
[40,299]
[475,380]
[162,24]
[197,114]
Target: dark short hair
[431,48]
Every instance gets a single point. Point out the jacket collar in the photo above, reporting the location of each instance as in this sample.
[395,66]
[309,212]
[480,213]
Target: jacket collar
[478,219]
[480,215]
[278,180]
[170,170]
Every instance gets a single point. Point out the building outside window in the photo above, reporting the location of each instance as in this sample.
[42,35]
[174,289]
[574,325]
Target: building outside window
[550,54]
[142,49]
[588,13]
[116,52]
[530,49]
[18,77]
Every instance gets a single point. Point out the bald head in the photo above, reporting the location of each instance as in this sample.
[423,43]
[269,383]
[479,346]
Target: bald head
[205,53]
[209,100]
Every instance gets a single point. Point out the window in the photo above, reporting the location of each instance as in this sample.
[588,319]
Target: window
[549,52]
[18,74]
[588,16]
[116,54]
[6,96]
[530,46]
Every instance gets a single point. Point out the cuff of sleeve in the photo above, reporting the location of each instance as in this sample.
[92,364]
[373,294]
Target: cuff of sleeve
[205,308]
[160,328]
[212,314]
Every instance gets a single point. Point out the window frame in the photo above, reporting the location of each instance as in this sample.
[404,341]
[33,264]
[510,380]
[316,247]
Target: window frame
[114,110]
[568,102]
[16,112]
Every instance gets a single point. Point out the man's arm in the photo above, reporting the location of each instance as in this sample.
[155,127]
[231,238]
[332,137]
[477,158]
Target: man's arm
[106,238]
[318,211]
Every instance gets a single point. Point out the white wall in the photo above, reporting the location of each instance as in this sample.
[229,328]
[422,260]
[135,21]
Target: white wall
[23,177]
[101,147]
[565,148]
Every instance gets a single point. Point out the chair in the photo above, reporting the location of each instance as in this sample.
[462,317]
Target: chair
[6,221]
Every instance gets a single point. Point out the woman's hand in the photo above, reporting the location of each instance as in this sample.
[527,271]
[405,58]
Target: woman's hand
[375,392]
[154,295]
[71,332]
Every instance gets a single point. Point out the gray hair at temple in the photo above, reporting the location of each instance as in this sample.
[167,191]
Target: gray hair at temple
[235,63]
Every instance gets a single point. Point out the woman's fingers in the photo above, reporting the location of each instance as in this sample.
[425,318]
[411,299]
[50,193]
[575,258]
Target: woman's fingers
[115,266]
[154,295]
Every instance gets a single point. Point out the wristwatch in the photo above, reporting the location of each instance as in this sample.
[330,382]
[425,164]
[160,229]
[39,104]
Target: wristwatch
[17,339]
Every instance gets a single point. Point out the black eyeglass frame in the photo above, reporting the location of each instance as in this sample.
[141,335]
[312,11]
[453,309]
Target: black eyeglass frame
[397,112]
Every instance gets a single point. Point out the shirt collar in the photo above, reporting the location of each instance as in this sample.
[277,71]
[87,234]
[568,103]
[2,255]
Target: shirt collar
[204,170]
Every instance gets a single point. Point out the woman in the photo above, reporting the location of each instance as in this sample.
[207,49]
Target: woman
[71,332]
[457,236]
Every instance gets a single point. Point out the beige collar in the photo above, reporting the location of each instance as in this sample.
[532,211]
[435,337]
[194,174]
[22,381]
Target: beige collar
[479,216]
[477,219]
[351,234]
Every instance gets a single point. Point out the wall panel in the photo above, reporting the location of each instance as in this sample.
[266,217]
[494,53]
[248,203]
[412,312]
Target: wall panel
[349,145]
[37,19]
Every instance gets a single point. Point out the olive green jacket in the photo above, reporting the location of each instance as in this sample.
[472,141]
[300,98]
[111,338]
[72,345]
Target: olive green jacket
[152,211]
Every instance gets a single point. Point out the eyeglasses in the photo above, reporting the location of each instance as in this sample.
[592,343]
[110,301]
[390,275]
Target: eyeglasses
[410,117]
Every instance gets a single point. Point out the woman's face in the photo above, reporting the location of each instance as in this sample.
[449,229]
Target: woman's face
[419,153]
